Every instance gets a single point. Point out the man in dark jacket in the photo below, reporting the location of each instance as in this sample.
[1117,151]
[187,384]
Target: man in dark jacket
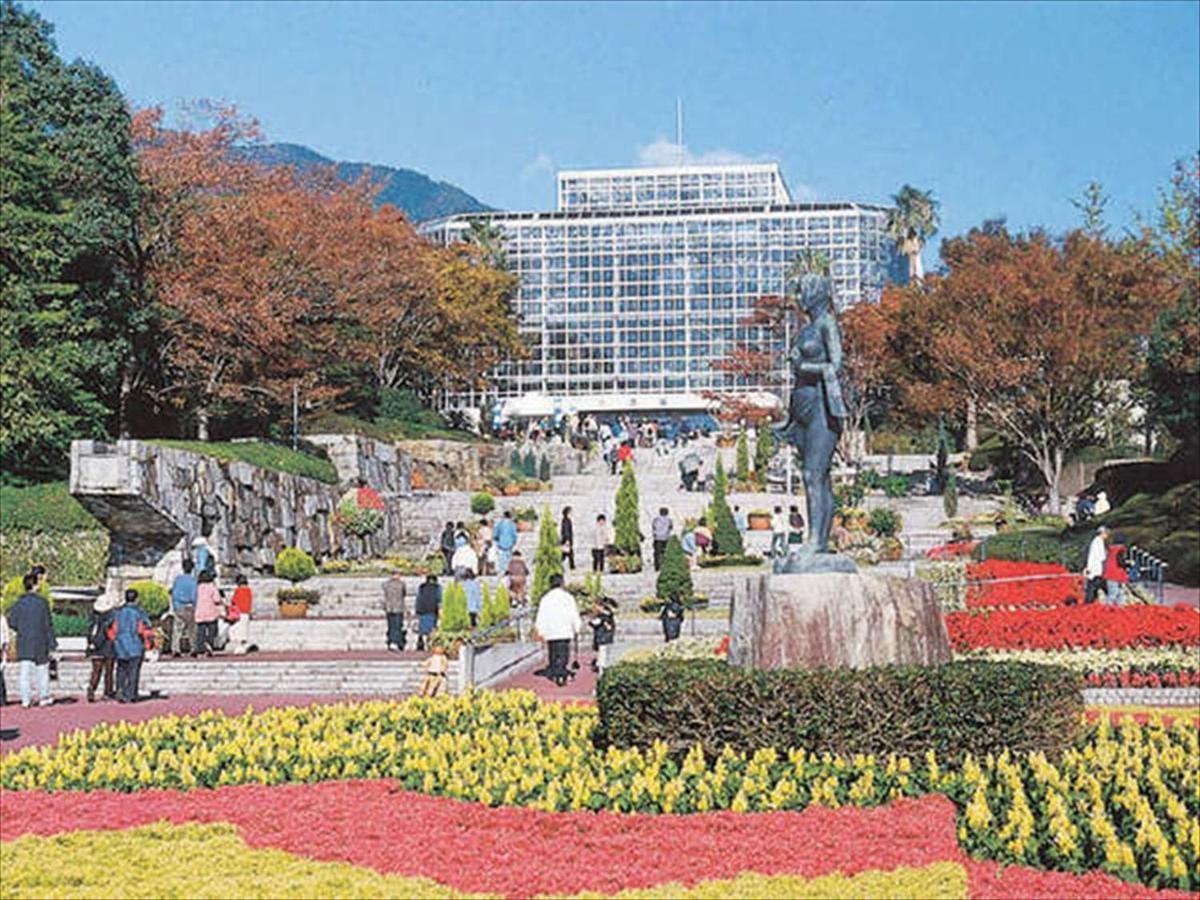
[393,607]
[566,533]
[130,624]
[429,601]
[30,619]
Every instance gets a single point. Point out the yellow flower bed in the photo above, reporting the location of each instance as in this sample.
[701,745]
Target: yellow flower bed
[213,861]
[1125,800]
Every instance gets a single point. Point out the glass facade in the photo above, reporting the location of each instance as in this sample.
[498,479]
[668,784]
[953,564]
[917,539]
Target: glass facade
[628,307]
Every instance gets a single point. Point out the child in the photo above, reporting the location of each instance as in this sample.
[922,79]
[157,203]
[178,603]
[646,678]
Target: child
[238,616]
[436,667]
[604,627]
[672,619]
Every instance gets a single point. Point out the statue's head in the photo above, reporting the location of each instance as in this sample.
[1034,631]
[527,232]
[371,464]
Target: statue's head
[815,294]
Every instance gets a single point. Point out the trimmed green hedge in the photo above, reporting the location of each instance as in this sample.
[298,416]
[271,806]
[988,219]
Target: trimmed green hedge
[963,707]
[263,455]
[1033,545]
[45,508]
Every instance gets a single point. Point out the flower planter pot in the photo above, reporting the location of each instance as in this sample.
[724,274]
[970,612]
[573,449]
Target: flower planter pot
[293,609]
[759,522]
[523,525]
[512,490]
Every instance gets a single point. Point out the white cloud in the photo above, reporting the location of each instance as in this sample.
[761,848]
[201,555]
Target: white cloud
[542,164]
[664,152]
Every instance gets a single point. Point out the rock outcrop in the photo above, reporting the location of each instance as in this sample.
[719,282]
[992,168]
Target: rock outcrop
[835,620]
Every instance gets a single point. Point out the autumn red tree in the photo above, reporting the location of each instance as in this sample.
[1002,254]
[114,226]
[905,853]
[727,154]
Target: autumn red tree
[1040,333]
[758,363]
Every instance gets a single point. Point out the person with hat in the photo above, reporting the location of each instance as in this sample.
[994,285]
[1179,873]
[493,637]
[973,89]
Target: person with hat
[100,648]
[1093,571]
[129,630]
[204,560]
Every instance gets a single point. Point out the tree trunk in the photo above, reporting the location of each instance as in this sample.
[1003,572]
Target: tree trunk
[126,391]
[916,273]
[1052,472]
[972,425]
[202,423]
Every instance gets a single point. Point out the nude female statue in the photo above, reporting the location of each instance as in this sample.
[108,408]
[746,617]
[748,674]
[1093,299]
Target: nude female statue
[817,410]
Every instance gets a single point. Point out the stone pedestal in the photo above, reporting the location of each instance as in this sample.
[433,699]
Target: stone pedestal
[834,621]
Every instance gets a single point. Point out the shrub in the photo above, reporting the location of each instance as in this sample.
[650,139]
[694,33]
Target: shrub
[357,520]
[949,582]
[895,486]
[297,594]
[501,604]
[543,473]
[514,461]
[884,521]
[950,496]
[547,560]
[870,479]
[742,468]
[71,557]
[848,496]
[15,587]
[66,625]
[529,465]
[482,503]
[954,709]
[1031,546]
[742,559]
[625,523]
[152,596]
[674,580]
[43,508]
[294,565]
[726,535]
[453,616]
[525,514]
[764,449]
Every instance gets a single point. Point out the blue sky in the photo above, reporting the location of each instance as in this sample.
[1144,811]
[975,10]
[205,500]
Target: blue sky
[1001,109]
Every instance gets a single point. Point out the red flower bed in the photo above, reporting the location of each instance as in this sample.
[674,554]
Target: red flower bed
[953,550]
[1006,584]
[517,852]
[1095,625]
[987,880]
[1131,678]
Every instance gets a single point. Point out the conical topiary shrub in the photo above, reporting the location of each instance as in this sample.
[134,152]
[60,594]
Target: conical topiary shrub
[674,579]
[743,457]
[764,449]
[725,531]
[544,469]
[625,525]
[547,560]
[453,616]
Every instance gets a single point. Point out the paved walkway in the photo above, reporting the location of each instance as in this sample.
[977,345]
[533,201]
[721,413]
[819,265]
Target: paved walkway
[1178,593]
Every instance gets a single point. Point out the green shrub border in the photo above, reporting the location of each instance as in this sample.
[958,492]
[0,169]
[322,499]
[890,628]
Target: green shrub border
[955,709]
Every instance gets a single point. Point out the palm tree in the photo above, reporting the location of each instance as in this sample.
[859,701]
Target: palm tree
[912,222]
[489,238]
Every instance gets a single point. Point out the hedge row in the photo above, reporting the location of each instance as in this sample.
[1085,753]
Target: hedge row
[963,707]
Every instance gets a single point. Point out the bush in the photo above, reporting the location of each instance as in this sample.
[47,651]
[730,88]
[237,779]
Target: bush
[848,496]
[399,405]
[674,580]
[297,594]
[544,469]
[1031,546]
[71,557]
[482,503]
[895,486]
[717,562]
[453,616]
[547,560]
[152,596]
[43,508]
[529,465]
[764,449]
[15,587]
[884,522]
[625,523]
[726,535]
[294,565]
[66,625]
[959,708]
[870,479]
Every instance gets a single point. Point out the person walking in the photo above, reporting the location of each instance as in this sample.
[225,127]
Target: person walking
[474,596]
[660,533]
[100,648]
[566,533]
[238,616]
[208,611]
[464,560]
[518,578]
[29,617]
[1093,571]
[183,609]
[394,595]
[429,603]
[4,639]
[505,537]
[448,545]
[1115,575]
[602,539]
[483,545]
[739,519]
[672,619]
[205,559]
[779,530]
[795,526]
[557,624]
[130,628]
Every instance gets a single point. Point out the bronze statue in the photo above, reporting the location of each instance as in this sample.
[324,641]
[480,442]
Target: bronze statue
[816,413]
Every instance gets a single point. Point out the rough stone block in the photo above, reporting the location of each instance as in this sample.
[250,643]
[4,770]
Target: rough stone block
[836,620]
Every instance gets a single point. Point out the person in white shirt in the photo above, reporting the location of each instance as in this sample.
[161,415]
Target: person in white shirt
[1102,505]
[602,537]
[464,560]
[779,532]
[557,624]
[1093,571]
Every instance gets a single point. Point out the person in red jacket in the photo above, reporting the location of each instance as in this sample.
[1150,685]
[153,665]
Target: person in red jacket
[1115,576]
[239,628]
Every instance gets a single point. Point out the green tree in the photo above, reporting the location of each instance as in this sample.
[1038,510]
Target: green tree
[489,238]
[1173,371]
[674,579]
[543,473]
[68,199]
[547,560]
[764,449]
[628,533]
[726,535]
[487,608]
[453,616]
[743,457]
[529,465]
[911,223]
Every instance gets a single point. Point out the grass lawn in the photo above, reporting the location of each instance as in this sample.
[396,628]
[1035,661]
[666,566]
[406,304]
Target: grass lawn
[44,508]
[266,456]
[385,429]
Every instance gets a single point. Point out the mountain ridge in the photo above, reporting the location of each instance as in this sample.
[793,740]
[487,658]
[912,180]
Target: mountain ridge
[420,197]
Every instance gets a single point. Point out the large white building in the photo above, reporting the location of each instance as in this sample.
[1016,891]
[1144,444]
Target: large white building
[642,278]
